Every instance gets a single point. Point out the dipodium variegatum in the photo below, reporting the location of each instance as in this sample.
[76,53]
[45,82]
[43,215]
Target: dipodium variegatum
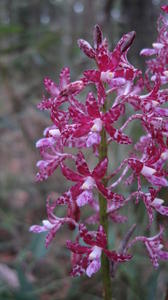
[94,123]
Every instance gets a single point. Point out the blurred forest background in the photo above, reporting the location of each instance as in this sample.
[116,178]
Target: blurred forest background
[37,38]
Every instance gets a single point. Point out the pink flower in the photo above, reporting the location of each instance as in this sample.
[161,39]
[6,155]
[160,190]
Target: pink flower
[164,8]
[114,67]
[157,66]
[87,180]
[90,121]
[89,256]
[59,93]
[152,202]
[52,225]
[148,172]
[106,60]
[51,150]
[154,247]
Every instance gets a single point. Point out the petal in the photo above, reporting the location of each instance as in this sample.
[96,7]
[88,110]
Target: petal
[75,247]
[114,113]
[126,41]
[135,164]
[82,129]
[84,198]
[72,88]
[51,234]
[161,112]
[88,184]
[64,78]
[47,167]
[156,180]
[55,132]
[147,202]
[117,135]
[95,253]
[87,236]
[80,267]
[101,169]
[93,267]
[152,254]
[103,58]
[94,138]
[67,198]
[115,58]
[116,82]
[117,218]
[86,48]
[75,191]
[92,106]
[148,52]
[47,224]
[157,202]
[163,255]
[70,174]
[51,87]
[101,239]
[97,36]
[107,193]
[81,165]
[37,229]
[45,142]
[112,255]
[92,75]
[104,191]
[101,93]
[128,74]
[77,114]
[164,8]
[45,104]
[163,210]
[158,46]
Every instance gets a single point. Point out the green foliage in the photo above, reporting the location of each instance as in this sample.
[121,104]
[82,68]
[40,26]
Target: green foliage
[8,30]
[26,288]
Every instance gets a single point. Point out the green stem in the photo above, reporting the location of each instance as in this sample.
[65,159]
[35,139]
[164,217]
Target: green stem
[105,268]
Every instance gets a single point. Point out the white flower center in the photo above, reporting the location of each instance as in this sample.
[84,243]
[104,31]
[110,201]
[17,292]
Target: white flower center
[55,132]
[164,155]
[155,103]
[147,171]
[166,73]
[157,46]
[105,76]
[97,126]
[47,224]
[157,201]
[96,253]
[88,184]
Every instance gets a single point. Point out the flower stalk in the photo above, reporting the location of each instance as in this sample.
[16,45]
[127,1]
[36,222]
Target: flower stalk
[105,266]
